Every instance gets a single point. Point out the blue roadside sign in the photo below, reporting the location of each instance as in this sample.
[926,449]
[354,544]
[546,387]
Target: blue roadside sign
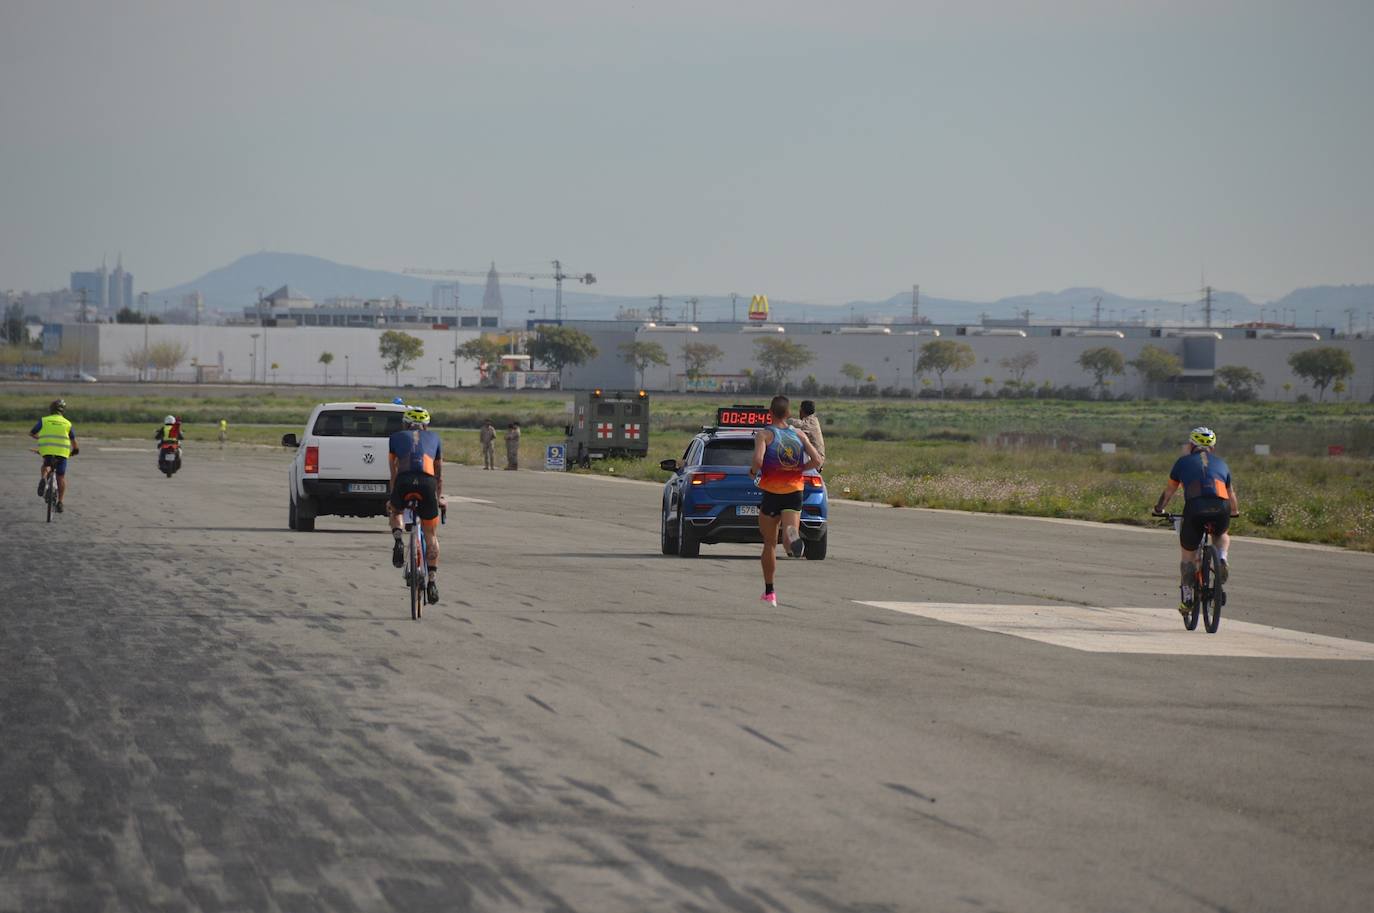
[555,458]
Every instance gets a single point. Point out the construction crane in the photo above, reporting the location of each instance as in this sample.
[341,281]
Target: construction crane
[558,275]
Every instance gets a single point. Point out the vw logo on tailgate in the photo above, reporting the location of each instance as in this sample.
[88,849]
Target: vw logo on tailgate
[367,457]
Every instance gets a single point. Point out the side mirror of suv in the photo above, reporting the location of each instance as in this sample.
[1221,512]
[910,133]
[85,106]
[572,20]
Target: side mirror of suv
[289,440]
[668,465]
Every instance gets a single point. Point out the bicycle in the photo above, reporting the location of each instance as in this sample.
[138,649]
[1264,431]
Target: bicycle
[416,569]
[49,489]
[1208,593]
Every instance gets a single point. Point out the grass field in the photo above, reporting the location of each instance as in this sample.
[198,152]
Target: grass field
[1008,456]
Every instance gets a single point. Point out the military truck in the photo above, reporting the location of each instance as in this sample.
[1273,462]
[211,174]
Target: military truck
[607,424]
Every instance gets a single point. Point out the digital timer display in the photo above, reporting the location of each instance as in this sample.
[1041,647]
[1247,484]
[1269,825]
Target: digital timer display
[743,417]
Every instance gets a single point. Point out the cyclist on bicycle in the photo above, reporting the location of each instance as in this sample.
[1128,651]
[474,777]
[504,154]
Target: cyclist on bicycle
[417,467]
[1209,500]
[56,442]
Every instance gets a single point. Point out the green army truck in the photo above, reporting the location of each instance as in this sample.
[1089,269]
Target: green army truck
[606,424]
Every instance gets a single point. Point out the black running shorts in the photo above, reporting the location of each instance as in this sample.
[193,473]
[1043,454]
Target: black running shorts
[421,483]
[1199,513]
[773,505]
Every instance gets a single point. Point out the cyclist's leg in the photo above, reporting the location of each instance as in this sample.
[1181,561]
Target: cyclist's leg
[395,507]
[1189,538]
[59,466]
[44,467]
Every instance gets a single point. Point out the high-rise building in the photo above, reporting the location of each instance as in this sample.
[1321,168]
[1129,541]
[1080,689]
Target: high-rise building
[93,286]
[444,296]
[491,296]
[121,294]
[106,292]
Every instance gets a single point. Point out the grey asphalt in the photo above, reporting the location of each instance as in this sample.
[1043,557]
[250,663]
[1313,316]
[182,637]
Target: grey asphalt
[201,710]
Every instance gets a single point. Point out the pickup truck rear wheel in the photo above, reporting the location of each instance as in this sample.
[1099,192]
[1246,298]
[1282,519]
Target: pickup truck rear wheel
[291,519]
[305,517]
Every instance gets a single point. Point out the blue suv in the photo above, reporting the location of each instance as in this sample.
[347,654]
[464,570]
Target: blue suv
[711,497]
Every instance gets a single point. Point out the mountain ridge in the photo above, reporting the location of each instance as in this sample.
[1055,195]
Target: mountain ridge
[234,286]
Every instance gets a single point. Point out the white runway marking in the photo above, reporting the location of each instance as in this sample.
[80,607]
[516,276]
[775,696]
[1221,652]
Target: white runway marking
[1122,630]
[126,449]
[459,499]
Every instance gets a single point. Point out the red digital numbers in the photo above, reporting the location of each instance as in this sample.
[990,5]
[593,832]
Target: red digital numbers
[743,418]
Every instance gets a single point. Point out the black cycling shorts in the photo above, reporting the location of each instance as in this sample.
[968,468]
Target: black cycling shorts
[1199,513]
[773,504]
[421,483]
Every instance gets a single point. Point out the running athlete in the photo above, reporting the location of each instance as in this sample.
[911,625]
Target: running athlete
[417,466]
[780,457]
[56,442]
[1209,499]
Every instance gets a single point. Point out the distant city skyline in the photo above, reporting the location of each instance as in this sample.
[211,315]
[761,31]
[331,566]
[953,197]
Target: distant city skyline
[816,151]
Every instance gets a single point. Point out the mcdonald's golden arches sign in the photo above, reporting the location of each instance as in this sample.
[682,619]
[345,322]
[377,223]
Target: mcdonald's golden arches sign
[758,307]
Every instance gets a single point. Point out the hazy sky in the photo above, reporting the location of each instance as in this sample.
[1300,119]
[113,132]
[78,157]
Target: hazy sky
[815,150]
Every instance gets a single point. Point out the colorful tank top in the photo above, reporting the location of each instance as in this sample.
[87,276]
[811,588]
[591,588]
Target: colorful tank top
[782,463]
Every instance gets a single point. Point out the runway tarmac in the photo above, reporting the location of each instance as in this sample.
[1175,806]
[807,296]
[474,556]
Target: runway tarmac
[201,710]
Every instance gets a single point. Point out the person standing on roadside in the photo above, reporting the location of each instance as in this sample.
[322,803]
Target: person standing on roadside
[781,456]
[513,446]
[810,426]
[488,438]
[223,431]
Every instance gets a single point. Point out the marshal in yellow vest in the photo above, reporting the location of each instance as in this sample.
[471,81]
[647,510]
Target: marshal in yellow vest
[54,438]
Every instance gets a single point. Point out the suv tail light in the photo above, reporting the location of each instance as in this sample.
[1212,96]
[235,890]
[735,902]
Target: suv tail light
[701,478]
[312,459]
[815,482]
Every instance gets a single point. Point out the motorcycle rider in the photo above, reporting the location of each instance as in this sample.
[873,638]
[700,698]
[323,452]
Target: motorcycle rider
[169,435]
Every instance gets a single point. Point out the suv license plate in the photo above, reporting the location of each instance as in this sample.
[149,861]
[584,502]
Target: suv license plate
[750,510]
[370,488]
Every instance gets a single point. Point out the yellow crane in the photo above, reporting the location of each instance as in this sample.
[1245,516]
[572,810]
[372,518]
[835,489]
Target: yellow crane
[558,275]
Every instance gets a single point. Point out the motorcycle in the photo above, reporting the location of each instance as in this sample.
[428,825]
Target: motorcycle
[169,457]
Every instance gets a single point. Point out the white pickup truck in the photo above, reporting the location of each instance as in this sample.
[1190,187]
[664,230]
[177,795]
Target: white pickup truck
[341,467]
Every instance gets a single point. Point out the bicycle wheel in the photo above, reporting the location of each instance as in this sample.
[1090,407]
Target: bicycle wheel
[421,574]
[1190,617]
[1212,595]
[50,497]
[416,583]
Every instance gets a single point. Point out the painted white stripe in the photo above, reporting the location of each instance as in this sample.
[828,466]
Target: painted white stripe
[127,449]
[459,499]
[1128,630]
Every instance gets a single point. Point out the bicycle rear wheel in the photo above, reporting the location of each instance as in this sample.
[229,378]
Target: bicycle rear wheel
[1212,594]
[417,586]
[50,496]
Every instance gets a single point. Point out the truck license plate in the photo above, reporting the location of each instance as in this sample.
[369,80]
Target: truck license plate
[371,488]
[749,510]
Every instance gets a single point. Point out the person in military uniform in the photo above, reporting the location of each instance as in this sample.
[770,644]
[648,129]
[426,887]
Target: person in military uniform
[488,438]
[513,446]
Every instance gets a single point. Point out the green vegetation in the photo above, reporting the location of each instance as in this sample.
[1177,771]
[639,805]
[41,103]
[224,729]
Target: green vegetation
[1321,366]
[1037,457]
[398,351]
[557,347]
[641,354]
[941,356]
[779,357]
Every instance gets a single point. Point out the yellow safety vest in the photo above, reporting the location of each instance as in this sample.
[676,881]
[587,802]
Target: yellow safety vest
[54,438]
[223,424]
[167,437]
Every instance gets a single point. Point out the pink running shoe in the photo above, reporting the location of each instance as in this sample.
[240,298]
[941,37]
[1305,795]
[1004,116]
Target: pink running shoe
[770,598]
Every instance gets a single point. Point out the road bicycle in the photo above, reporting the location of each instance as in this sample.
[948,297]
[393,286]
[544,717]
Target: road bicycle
[416,570]
[50,489]
[1208,593]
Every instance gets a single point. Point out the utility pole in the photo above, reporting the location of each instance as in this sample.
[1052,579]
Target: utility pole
[915,305]
[1097,311]
[1350,323]
[81,356]
[658,308]
[1207,305]
[734,299]
[694,301]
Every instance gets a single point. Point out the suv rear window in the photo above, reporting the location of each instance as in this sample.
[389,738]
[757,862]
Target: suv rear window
[733,452]
[356,423]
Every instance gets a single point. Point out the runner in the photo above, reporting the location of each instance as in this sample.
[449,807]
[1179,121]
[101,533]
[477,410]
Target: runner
[780,457]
